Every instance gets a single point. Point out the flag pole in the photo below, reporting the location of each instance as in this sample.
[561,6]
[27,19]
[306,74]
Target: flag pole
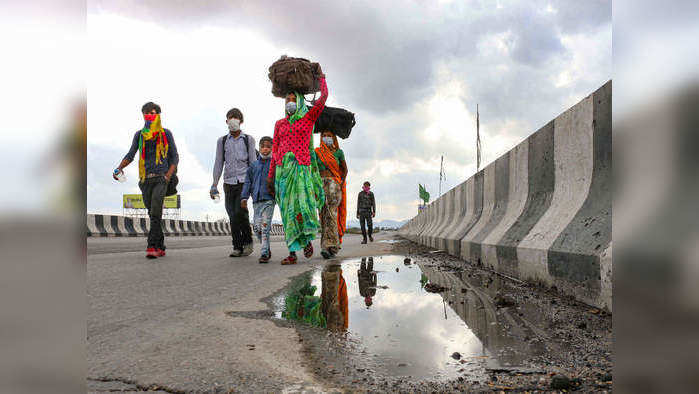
[478,140]
[441,175]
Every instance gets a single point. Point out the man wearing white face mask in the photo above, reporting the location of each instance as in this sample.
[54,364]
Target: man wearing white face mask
[235,152]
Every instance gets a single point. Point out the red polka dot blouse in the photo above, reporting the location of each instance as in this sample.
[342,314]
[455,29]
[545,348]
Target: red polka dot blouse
[296,138]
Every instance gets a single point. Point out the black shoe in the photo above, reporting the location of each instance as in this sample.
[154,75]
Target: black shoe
[371,238]
[264,259]
[364,242]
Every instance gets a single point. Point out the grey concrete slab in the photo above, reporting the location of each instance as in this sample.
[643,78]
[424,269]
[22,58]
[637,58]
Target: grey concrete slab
[163,322]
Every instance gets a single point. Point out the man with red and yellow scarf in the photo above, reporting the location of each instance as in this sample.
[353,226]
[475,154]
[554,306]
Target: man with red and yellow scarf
[157,162]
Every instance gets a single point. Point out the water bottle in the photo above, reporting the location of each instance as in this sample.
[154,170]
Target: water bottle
[120,176]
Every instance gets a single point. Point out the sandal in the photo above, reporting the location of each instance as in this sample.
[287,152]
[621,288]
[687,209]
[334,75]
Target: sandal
[308,251]
[289,260]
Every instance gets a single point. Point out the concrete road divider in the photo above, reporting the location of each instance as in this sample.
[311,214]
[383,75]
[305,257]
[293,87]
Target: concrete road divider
[122,226]
[541,212]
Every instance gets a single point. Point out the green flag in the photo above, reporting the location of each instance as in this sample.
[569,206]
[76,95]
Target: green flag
[424,195]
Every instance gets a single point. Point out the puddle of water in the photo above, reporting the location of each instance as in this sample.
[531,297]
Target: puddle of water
[411,331]
[390,241]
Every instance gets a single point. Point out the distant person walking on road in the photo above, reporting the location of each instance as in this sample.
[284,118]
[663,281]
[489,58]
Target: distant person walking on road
[293,174]
[235,152]
[333,215]
[366,210]
[262,201]
[157,162]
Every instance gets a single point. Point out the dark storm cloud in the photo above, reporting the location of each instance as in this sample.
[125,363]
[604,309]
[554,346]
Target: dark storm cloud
[577,16]
[381,57]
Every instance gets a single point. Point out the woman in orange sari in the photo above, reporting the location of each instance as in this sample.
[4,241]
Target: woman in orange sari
[333,215]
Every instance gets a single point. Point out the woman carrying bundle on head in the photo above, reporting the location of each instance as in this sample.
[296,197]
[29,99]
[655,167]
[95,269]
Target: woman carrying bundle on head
[293,174]
[333,216]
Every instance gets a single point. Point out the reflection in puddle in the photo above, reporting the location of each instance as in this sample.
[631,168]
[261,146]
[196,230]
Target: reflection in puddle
[384,302]
[366,278]
[329,310]
[302,304]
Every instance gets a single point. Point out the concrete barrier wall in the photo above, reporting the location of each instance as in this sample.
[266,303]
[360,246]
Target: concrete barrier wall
[409,229]
[459,211]
[428,233]
[425,217]
[427,222]
[121,226]
[541,212]
[440,217]
[450,213]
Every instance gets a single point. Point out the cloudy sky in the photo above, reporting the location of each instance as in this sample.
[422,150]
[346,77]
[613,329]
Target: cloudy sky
[412,72]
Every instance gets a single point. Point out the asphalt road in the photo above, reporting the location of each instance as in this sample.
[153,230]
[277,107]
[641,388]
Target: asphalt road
[162,324]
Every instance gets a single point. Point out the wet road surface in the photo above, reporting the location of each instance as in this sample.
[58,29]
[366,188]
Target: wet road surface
[198,320]
[164,322]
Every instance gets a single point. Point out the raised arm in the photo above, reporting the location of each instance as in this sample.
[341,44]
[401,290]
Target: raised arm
[314,113]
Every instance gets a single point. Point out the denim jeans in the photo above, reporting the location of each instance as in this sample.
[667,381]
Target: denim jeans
[262,223]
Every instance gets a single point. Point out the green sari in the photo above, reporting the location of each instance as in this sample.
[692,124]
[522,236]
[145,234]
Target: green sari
[299,192]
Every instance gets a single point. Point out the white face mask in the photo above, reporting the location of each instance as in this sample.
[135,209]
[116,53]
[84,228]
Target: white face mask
[328,141]
[290,107]
[233,124]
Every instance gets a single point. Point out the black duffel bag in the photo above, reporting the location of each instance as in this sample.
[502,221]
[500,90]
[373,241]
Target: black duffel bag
[339,121]
[294,74]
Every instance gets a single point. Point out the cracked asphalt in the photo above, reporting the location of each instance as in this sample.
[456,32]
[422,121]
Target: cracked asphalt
[166,324]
